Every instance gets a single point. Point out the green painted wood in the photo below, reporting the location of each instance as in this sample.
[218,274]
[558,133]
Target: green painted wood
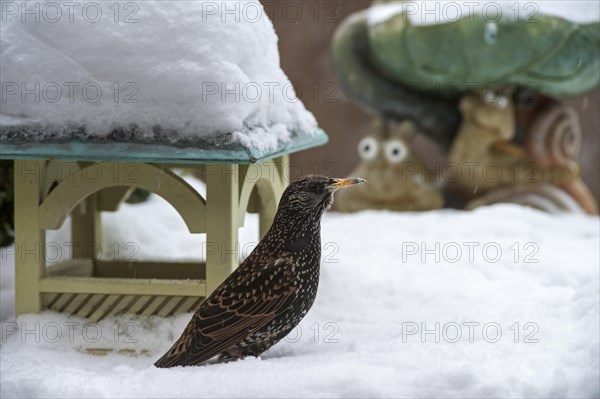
[101,311]
[79,288]
[112,286]
[176,191]
[222,207]
[110,199]
[30,239]
[56,301]
[86,229]
[189,153]
[124,303]
[150,269]
[262,195]
[170,306]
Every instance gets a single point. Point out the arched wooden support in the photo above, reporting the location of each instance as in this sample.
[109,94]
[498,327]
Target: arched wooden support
[232,186]
[188,203]
[268,178]
[56,171]
[110,200]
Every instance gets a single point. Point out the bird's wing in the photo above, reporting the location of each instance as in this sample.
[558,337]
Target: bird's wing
[241,305]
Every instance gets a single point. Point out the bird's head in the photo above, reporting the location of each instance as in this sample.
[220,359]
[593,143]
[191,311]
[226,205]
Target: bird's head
[313,194]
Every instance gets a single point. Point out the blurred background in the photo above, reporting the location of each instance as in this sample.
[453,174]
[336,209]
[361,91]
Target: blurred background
[305,29]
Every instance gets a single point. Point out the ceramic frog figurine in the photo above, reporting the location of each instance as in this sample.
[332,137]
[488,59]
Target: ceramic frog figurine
[396,177]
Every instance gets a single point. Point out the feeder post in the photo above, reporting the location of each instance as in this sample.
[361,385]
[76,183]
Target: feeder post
[30,240]
[86,229]
[222,202]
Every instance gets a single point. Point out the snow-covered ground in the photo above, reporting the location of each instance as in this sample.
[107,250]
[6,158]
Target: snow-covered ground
[506,306]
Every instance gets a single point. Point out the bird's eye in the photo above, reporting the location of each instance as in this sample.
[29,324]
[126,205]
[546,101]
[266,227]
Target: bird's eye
[395,151]
[367,148]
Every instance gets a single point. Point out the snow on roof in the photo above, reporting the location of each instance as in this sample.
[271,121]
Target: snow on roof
[196,68]
[430,12]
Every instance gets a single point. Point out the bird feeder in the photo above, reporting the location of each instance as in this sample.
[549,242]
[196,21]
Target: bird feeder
[87,120]
[84,178]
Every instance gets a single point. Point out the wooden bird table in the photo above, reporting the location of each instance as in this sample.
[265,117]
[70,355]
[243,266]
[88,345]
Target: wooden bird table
[85,177]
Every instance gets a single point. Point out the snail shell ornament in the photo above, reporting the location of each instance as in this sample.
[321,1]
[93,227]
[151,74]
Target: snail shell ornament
[555,136]
[546,163]
[485,139]
[553,141]
[395,175]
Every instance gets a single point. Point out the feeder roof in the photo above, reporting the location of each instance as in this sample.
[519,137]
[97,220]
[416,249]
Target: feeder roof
[17,143]
[163,74]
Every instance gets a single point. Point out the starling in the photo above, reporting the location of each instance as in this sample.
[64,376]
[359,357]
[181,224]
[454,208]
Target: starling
[273,288]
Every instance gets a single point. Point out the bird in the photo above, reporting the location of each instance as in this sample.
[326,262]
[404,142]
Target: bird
[272,289]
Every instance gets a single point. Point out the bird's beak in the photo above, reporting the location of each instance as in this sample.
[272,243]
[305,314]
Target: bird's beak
[341,183]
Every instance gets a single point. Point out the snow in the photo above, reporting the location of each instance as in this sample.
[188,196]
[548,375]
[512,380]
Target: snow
[193,68]
[380,289]
[431,12]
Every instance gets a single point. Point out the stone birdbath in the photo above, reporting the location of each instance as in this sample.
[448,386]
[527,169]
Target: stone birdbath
[459,71]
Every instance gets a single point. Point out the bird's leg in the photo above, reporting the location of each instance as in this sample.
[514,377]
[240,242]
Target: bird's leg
[231,354]
[240,352]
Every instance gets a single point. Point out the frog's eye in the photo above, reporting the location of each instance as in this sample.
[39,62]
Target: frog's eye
[395,151]
[367,148]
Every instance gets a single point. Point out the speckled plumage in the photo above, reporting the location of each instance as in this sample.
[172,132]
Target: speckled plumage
[273,288]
